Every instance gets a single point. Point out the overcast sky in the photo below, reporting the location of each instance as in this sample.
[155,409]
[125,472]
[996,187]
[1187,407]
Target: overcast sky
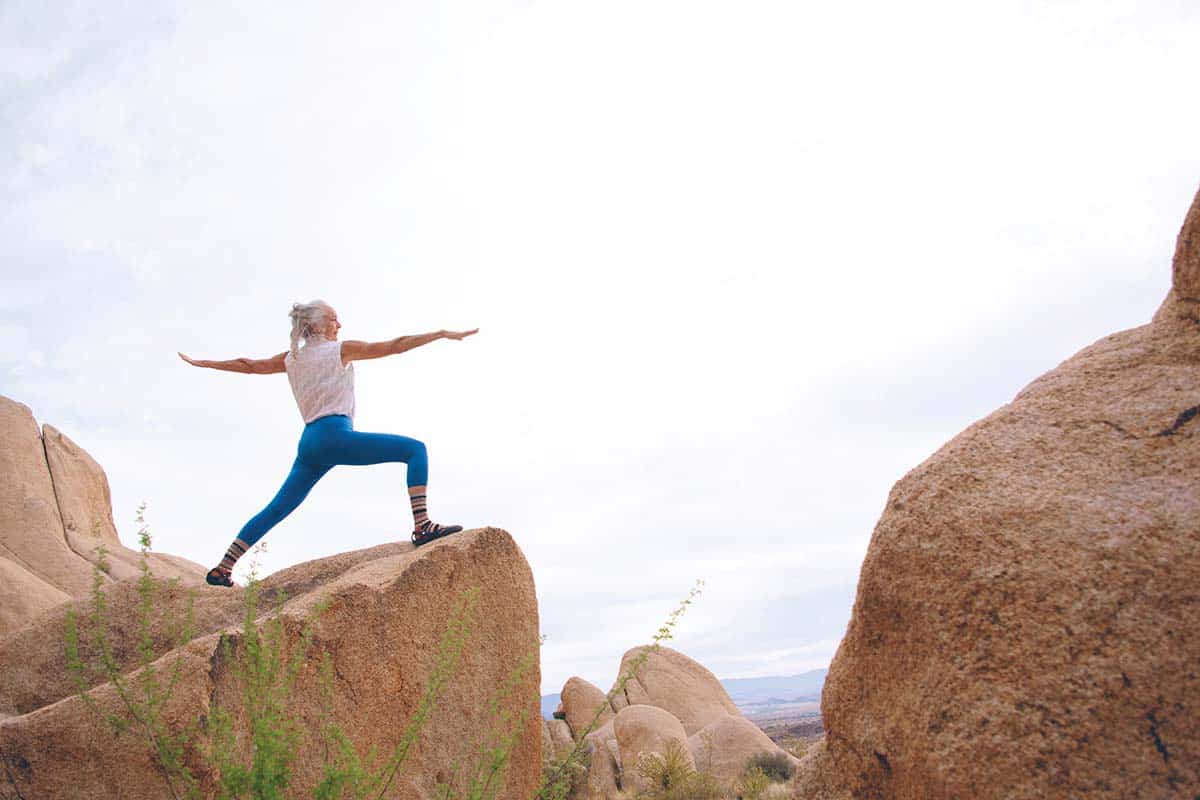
[737,268]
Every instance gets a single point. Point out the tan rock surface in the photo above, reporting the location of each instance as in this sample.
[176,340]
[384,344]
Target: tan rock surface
[385,618]
[641,730]
[671,681]
[23,596]
[722,747]
[31,530]
[81,488]
[1027,622]
[580,701]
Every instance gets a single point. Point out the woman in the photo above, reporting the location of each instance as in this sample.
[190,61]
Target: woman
[322,379]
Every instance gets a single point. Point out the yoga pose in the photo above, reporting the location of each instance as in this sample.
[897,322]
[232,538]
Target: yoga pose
[322,379]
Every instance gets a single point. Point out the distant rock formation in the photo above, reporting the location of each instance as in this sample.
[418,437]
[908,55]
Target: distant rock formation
[580,702]
[670,680]
[55,508]
[389,606]
[1027,623]
[670,697]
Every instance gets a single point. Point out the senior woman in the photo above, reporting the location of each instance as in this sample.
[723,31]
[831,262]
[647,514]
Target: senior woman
[321,374]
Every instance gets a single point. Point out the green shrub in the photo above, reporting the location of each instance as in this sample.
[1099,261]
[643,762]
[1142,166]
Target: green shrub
[776,766]
[671,769]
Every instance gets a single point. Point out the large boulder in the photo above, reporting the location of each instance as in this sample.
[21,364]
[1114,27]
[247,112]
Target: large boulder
[31,529]
[722,747]
[386,614]
[671,681]
[1027,622]
[580,702]
[55,511]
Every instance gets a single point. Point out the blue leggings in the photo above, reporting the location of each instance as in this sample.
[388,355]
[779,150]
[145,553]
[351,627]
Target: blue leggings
[325,443]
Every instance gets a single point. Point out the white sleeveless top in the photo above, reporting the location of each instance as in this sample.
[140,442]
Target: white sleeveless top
[321,384]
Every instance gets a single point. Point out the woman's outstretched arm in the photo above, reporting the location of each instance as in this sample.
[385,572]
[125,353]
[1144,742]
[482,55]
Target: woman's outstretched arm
[357,351]
[250,366]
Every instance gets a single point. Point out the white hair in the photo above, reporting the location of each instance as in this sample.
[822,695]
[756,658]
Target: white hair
[308,319]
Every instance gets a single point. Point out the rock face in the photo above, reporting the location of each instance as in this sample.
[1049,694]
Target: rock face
[1027,622]
[645,729]
[381,631]
[55,508]
[580,700]
[31,529]
[672,681]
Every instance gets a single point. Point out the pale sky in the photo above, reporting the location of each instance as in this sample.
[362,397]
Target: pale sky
[737,268]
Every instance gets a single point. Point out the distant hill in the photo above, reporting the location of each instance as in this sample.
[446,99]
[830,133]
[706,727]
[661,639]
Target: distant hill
[754,691]
[755,697]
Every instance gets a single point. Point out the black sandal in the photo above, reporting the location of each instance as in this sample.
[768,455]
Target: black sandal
[218,577]
[430,531]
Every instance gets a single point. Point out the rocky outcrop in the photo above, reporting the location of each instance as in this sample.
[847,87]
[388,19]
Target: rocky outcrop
[668,697]
[642,730]
[1027,622]
[55,509]
[388,607]
[670,680]
[581,701]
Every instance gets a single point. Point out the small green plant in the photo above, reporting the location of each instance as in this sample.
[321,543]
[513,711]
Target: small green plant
[262,769]
[144,695]
[776,766]
[557,781]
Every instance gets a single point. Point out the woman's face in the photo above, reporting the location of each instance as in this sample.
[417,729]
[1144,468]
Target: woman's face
[331,326]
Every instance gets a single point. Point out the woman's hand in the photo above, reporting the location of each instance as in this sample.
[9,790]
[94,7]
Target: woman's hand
[190,361]
[459,335]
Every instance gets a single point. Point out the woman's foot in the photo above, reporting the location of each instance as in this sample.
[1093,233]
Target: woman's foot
[219,577]
[428,531]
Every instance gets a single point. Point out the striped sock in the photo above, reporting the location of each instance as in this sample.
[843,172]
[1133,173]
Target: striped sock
[416,496]
[235,551]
